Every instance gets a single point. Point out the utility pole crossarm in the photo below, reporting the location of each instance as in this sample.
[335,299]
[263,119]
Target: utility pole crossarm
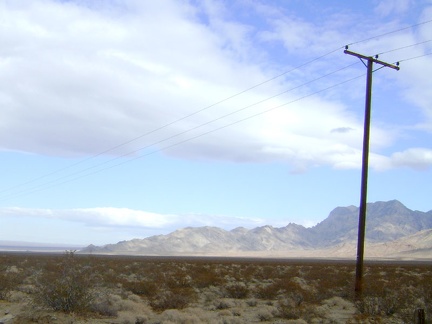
[373,59]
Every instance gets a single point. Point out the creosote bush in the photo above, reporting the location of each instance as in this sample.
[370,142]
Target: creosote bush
[141,288]
[8,282]
[213,289]
[65,286]
[287,309]
[172,300]
[237,290]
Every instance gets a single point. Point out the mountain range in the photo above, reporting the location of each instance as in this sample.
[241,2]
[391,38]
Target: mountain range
[392,230]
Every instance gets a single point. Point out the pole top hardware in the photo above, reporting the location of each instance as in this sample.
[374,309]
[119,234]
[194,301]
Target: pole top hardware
[373,59]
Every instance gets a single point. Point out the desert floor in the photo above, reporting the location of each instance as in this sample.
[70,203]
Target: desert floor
[71,288]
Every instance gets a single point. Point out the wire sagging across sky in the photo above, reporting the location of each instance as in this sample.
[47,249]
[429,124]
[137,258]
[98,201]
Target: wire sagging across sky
[85,171]
[129,119]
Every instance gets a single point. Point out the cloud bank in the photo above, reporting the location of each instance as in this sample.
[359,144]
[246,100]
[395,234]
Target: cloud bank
[113,220]
[78,79]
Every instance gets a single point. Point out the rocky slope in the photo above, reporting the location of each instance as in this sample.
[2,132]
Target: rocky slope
[386,222]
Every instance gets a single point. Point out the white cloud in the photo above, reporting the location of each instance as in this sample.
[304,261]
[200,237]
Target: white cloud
[83,226]
[77,80]
[293,32]
[387,7]
[83,82]
[109,217]
[417,84]
[416,158]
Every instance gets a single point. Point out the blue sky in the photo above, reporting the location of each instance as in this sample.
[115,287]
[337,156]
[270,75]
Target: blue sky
[125,119]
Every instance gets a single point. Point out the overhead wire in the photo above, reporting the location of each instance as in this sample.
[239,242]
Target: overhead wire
[391,32]
[51,185]
[414,57]
[169,123]
[203,109]
[191,129]
[401,48]
[404,47]
[208,107]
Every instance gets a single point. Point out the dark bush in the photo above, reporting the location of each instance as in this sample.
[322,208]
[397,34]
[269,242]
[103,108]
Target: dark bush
[172,299]
[8,282]
[141,288]
[65,286]
[237,290]
[268,292]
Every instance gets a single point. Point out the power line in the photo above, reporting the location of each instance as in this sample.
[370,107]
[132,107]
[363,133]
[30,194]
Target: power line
[391,32]
[404,47]
[55,183]
[415,57]
[170,123]
[210,106]
[190,129]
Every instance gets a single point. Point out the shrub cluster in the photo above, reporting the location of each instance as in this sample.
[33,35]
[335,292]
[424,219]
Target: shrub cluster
[8,281]
[284,289]
[65,286]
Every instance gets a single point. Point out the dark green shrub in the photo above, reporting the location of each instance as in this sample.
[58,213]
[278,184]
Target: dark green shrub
[8,282]
[141,288]
[168,299]
[203,277]
[268,292]
[65,286]
[105,305]
[237,290]
[288,310]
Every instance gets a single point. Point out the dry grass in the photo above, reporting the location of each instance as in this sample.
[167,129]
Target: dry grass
[71,288]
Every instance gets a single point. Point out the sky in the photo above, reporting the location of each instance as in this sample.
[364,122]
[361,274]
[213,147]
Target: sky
[123,119]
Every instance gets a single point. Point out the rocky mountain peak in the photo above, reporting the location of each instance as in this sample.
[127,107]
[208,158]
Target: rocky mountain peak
[385,221]
[391,207]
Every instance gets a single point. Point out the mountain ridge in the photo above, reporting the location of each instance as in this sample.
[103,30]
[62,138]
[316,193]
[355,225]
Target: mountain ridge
[386,222]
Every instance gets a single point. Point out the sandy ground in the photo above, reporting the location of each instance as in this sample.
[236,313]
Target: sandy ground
[213,305]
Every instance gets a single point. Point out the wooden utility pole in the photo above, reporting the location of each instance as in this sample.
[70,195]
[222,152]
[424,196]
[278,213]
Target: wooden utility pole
[365,163]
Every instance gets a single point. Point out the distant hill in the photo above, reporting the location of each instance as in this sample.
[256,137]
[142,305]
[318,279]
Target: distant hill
[386,222]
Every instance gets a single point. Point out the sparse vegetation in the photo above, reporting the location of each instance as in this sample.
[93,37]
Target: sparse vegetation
[65,285]
[8,281]
[73,287]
